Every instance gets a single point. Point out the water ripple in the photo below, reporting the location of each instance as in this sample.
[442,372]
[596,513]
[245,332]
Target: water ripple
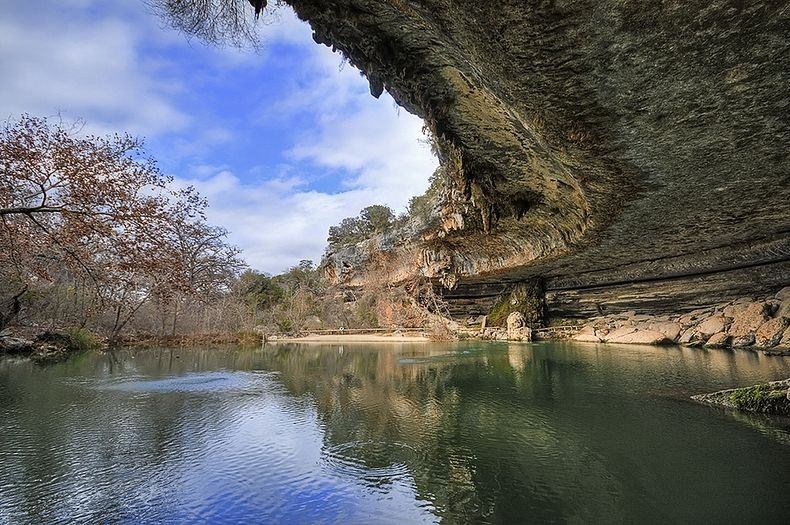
[461,434]
[197,382]
[370,461]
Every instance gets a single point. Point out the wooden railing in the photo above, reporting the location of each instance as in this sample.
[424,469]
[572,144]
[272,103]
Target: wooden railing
[337,331]
[563,331]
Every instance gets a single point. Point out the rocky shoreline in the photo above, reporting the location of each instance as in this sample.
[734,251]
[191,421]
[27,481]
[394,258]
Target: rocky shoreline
[48,346]
[54,346]
[768,398]
[762,323]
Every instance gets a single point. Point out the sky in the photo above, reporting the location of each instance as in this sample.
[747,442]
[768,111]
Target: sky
[283,142]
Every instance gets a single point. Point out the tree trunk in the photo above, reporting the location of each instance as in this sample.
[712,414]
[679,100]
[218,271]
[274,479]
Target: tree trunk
[15,306]
[175,317]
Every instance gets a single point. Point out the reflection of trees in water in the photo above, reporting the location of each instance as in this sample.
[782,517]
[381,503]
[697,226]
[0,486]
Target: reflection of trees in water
[777,428]
[509,431]
[85,447]
[473,430]
[484,432]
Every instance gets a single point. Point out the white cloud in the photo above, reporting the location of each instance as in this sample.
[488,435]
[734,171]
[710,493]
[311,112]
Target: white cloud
[110,63]
[83,69]
[381,147]
[284,27]
[381,151]
[277,222]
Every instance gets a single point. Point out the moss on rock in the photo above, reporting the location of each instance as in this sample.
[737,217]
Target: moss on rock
[526,298]
[53,347]
[769,398]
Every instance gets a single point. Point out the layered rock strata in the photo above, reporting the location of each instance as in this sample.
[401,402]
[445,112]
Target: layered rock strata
[762,324]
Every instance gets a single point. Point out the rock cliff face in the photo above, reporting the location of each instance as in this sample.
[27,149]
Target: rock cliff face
[632,155]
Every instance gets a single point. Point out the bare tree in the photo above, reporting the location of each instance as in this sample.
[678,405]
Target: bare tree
[98,209]
[61,193]
[227,22]
[210,265]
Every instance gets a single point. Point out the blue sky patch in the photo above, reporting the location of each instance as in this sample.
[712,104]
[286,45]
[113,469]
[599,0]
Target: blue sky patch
[283,143]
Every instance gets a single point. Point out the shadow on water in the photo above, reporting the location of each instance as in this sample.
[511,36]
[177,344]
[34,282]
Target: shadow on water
[459,433]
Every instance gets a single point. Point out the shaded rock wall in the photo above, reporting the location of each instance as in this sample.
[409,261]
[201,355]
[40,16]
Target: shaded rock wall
[632,154]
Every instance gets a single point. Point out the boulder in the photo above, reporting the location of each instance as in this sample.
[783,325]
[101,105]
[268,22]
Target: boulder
[686,320]
[718,340]
[783,310]
[644,337]
[619,333]
[516,320]
[772,306]
[785,341]
[495,334]
[691,337]
[688,335]
[783,294]
[670,330]
[711,325]
[747,320]
[694,316]
[701,312]
[742,341]
[734,309]
[587,335]
[770,332]
[517,328]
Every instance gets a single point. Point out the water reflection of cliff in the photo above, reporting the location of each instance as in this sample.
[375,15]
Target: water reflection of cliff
[464,421]
[478,433]
[489,434]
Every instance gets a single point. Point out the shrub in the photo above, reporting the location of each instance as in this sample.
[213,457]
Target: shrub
[81,339]
[71,340]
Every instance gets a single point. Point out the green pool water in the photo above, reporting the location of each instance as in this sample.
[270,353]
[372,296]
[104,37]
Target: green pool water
[387,433]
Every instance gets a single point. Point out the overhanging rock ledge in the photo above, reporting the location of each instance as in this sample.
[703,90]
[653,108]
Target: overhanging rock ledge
[632,155]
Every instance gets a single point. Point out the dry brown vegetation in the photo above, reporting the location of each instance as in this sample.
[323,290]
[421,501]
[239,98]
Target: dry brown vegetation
[91,232]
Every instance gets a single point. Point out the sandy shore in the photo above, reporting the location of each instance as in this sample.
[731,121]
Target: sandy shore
[352,338]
